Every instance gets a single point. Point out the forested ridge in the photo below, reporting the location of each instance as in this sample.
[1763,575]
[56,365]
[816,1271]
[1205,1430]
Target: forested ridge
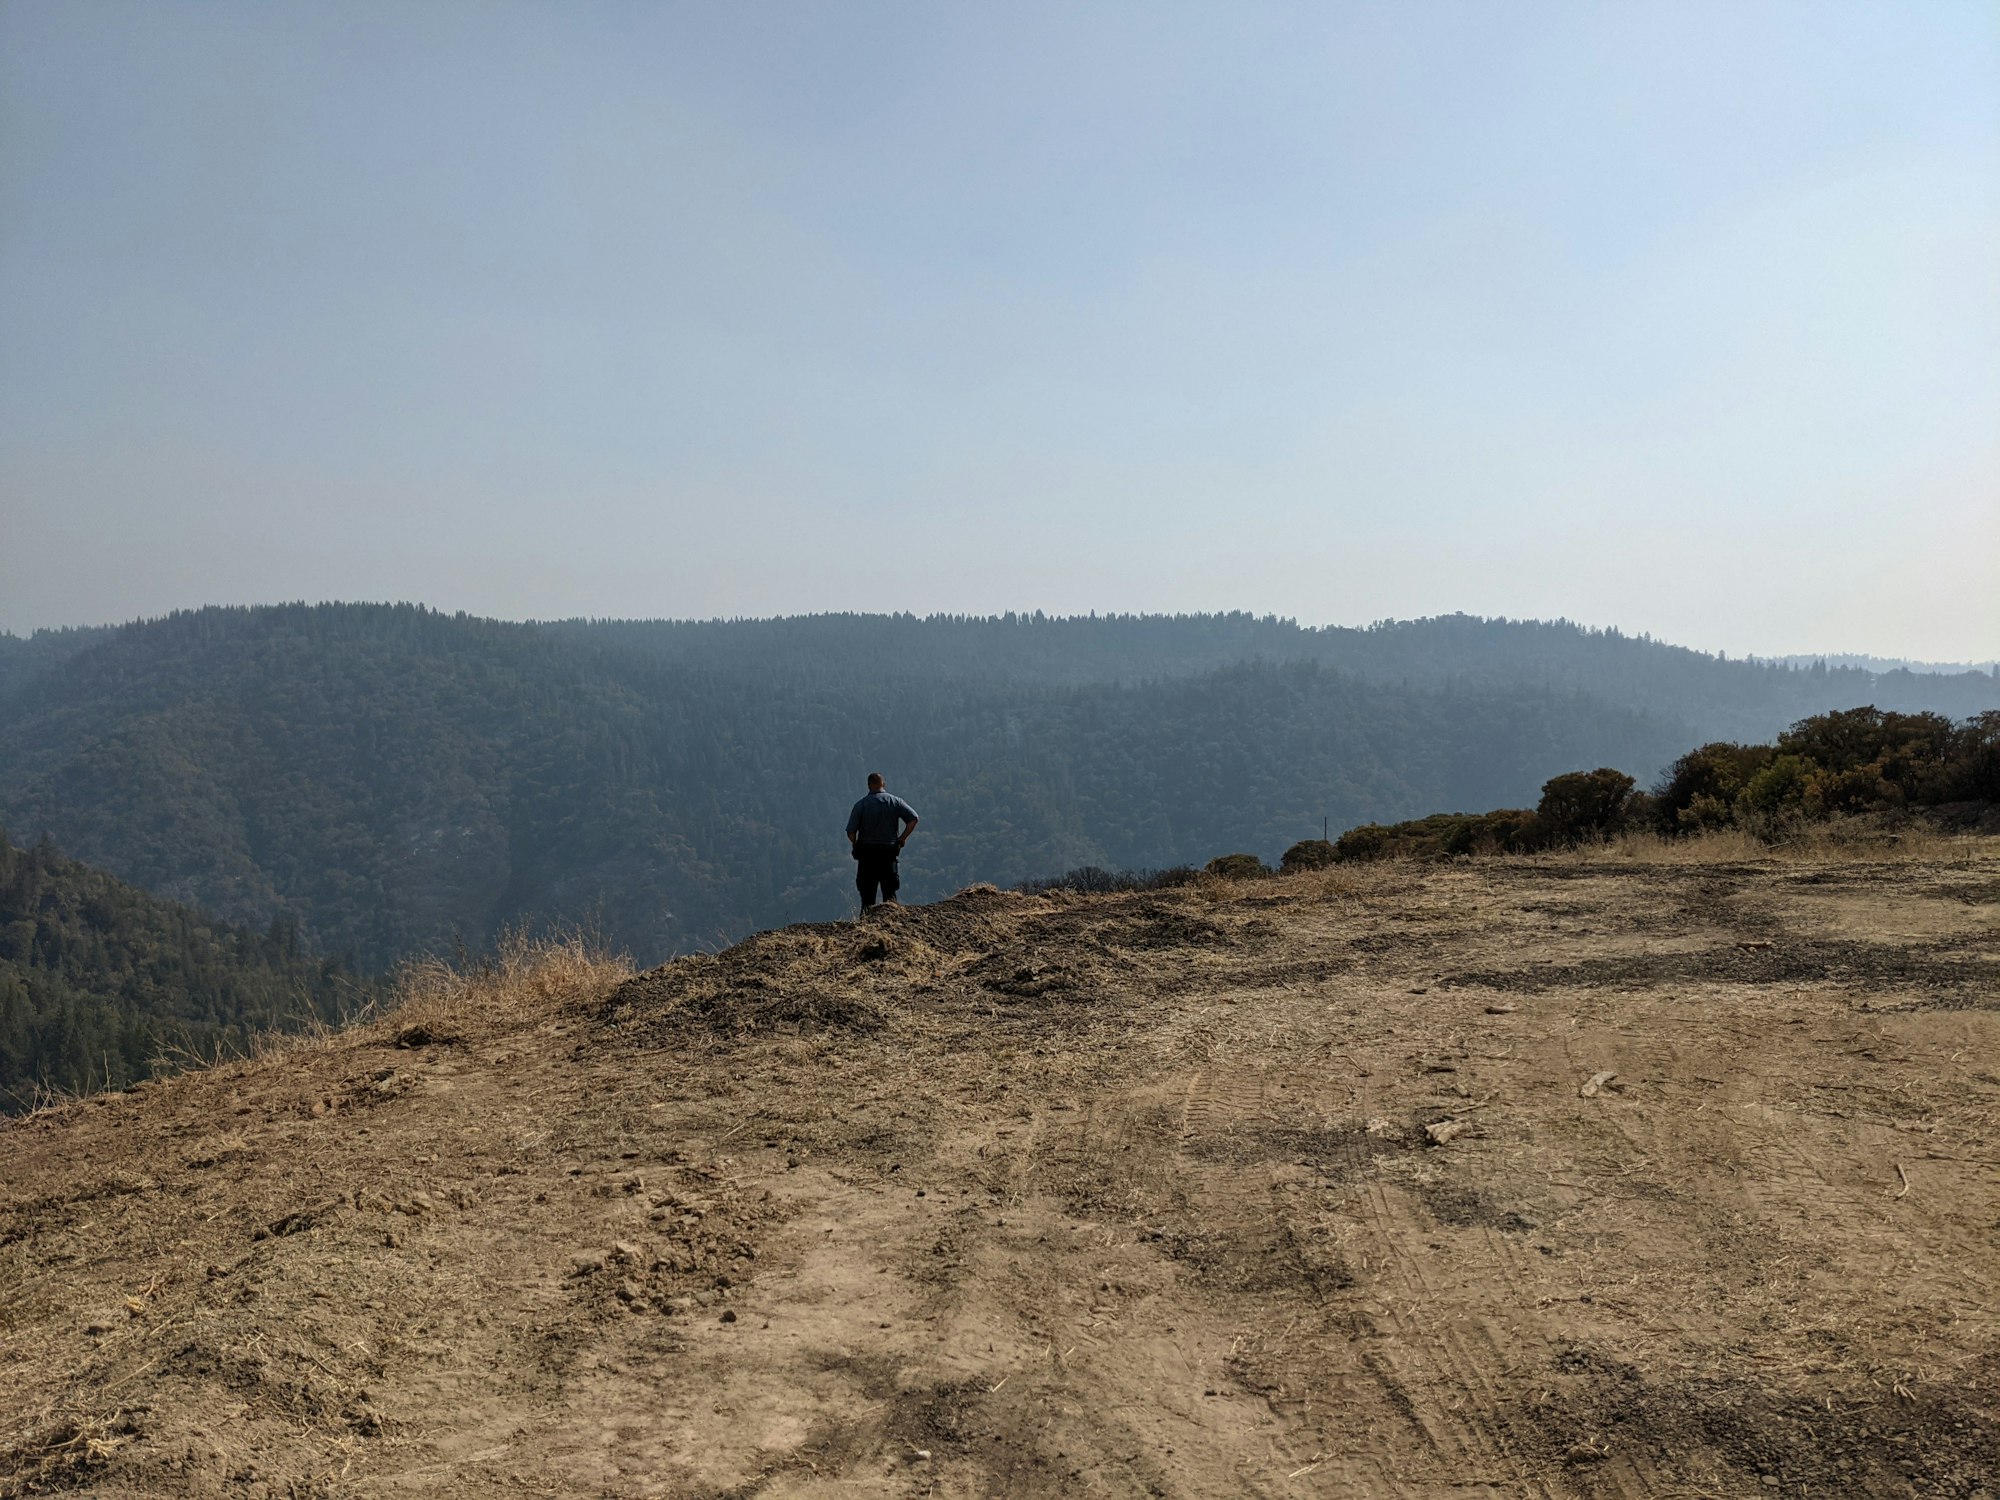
[100,981]
[395,780]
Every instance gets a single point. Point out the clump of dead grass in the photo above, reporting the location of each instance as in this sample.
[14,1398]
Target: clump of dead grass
[523,981]
[1714,846]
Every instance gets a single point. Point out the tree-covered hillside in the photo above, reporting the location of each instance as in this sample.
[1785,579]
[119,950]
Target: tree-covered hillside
[22,660]
[99,980]
[1742,698]
[394,779]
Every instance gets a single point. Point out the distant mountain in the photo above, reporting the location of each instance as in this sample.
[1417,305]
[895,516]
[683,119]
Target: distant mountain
[1888,664]
[99,980]
[394,780]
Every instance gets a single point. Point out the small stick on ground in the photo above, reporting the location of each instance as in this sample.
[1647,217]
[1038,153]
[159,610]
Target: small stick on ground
[1904,1191]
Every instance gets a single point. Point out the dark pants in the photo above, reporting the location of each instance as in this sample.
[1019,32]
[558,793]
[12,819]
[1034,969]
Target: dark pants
[875,865]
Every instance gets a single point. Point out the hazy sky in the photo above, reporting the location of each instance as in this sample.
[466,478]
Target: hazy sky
[1679,317]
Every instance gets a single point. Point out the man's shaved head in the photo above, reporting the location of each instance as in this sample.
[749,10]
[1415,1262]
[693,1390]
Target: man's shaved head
[874,781]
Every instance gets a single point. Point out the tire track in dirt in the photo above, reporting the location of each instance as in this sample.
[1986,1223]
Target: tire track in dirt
[1472,1436]
[1230,1123]
[1408,1360]
[1103,1203]
[1402,1362]
[1219,1093]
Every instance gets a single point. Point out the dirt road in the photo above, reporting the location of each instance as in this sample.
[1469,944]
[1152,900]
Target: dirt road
[1552,1177]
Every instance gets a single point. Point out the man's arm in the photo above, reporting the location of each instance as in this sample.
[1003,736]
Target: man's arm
[909,825]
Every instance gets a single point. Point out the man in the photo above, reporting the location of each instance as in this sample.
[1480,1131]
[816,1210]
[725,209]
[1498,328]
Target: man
[874,838]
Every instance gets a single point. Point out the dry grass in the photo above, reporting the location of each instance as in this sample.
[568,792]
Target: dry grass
[1866,839]
[524,982]
[62,1413]
[1722,845]
[1833,841]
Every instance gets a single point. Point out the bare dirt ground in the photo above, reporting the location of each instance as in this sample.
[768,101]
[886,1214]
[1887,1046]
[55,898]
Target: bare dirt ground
[1591,1176]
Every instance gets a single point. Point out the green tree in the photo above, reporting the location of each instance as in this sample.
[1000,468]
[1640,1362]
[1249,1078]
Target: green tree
[1780,787]
[1583,805]
[1700,789]
[1308,854]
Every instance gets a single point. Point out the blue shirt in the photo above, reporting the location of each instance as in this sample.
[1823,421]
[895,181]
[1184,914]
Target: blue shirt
[878,817]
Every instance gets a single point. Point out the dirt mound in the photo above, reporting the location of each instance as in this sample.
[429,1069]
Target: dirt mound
[815,977]
[1559,1177]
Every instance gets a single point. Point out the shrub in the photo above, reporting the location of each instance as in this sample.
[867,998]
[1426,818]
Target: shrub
[1583,805]
[1369,841]
[1978,777]
[1779,787]
[1441,836]
[1857,789]
[1700,789]
[1505,830]
[1859,760]
[1237,866]
[1705,814]
[1855,737]
[1308,854]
